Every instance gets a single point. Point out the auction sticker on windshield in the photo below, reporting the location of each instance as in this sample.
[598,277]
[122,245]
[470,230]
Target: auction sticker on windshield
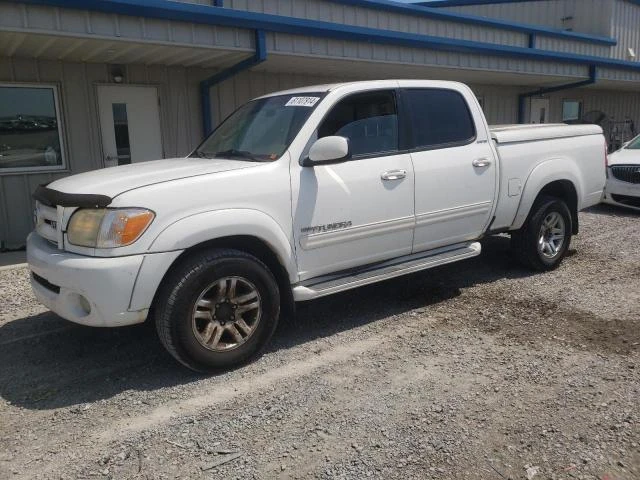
[302,101]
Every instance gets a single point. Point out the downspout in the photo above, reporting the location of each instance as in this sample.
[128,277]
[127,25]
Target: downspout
[205,85]
[522,98]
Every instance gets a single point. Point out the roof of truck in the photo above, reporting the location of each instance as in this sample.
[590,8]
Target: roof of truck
[387,83]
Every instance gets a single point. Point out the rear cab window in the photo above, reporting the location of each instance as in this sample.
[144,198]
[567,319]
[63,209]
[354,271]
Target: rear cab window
[439,118]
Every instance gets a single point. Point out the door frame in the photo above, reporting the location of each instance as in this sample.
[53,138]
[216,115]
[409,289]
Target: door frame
[548,109]
[96,102]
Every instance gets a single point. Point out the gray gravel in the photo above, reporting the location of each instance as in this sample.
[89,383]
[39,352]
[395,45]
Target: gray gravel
[477,370]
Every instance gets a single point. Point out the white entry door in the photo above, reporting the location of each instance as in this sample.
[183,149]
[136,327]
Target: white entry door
[539,110]
[130,124]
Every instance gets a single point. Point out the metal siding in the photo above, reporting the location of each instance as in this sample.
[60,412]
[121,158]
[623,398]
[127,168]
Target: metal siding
[281,43]
[38,19]
[328,11]
[549,13]
[625,27]
[616,104]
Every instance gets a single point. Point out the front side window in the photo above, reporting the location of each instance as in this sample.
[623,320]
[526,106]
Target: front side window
[369,120]
[30,136]
[260,130]
[438,117]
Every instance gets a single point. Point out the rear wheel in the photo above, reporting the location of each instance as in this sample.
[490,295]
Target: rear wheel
[217,309]
[544,239]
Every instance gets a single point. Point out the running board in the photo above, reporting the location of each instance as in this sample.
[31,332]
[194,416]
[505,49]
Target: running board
[321,286]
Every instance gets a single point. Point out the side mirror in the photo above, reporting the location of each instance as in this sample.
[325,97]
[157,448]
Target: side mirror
[327,150]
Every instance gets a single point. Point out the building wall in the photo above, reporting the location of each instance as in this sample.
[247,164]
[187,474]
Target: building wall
[625,27]
[550,13]
[337,12]
[180,121]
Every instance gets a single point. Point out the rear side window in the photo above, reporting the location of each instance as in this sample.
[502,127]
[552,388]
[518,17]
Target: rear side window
[369,120]
[438,118]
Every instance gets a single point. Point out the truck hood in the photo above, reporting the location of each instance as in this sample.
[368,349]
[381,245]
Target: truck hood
[115,180]
[625,157]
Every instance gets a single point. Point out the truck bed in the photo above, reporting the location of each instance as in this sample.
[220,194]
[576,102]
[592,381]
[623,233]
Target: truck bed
[526,133]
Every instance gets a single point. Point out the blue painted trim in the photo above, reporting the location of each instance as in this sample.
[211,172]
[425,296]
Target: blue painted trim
[186,12]
[522,98]
[422,10]
[464,3]
[205,85]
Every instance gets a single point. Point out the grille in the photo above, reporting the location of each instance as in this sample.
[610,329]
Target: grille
[47,223]
[45,283]
[626,200]
[626,173]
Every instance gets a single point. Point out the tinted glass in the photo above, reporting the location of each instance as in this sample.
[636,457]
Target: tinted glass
[634,144]
[261,129]
[121,130]
[369,120]
[438,117]
[29,134]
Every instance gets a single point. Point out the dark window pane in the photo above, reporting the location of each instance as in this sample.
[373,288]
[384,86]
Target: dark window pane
[368,120]
[439,117]
[29,134]
[121,130]
[570,110]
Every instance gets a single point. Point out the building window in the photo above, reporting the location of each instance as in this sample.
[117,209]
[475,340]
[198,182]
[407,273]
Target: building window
[571,110]
[30,130]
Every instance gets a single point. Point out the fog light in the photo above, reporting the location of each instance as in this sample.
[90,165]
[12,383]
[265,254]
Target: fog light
[84,304]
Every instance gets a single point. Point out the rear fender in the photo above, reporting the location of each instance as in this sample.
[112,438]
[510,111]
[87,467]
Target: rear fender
[542,175]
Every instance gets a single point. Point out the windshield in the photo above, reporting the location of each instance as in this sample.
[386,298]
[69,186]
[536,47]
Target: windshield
[260,130]
[634,144]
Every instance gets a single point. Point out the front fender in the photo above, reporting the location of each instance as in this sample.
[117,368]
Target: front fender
[542,175]
[202,227]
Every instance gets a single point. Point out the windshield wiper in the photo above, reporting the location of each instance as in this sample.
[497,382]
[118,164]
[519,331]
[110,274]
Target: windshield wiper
[201,154]
[238,154]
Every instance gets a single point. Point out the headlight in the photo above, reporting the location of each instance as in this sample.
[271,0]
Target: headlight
[108,227]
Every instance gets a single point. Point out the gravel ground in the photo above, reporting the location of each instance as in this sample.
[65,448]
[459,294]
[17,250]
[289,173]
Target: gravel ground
[477,370]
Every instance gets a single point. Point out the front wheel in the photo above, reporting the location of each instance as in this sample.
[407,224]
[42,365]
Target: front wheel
[217,309]
[544,239]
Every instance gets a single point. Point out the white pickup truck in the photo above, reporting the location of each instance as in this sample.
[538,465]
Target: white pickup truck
[300,194]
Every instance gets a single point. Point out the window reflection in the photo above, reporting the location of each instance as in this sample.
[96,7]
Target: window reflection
[29,128]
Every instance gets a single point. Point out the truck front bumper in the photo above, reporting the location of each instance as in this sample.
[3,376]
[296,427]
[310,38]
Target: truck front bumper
[87,290]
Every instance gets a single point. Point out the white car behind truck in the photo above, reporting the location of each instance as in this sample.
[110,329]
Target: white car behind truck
[623,176]
[301,194]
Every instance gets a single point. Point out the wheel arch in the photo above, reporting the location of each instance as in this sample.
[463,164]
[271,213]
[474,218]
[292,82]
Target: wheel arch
[249,231]
[252,245]
[559,178]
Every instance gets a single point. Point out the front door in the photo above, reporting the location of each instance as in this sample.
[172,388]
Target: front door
[539,110]
[360,211]
[454,165]
[130,124]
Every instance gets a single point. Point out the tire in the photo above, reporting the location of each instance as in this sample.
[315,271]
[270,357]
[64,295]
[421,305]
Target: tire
[200,306]
[528,243]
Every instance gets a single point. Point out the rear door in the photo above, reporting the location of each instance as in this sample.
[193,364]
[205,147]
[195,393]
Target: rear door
[454,165]
[359,211]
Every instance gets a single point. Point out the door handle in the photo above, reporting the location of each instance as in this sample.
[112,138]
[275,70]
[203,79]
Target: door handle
[393,175]
[481,162]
